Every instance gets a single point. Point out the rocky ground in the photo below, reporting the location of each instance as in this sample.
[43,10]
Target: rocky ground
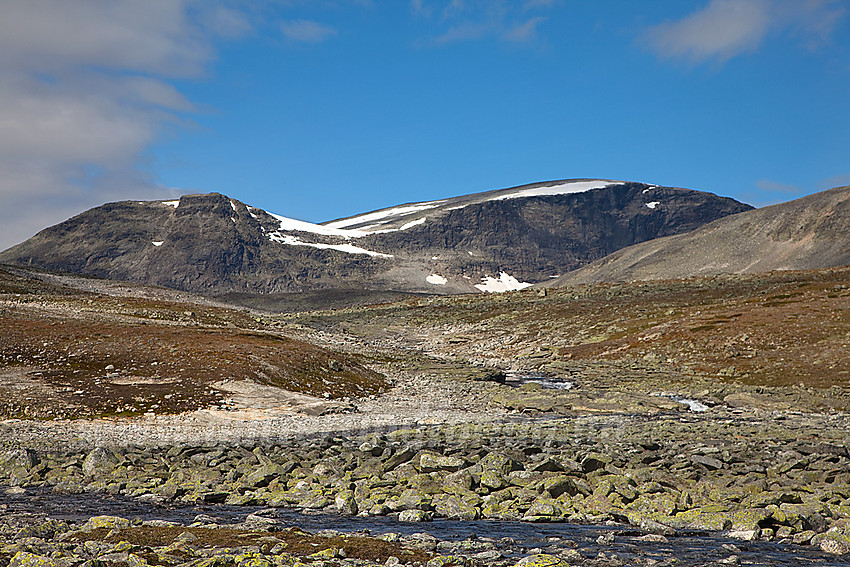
[455,427]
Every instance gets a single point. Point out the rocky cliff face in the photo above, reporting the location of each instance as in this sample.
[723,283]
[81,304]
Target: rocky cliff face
[534,238]
[485,241]
[808,233]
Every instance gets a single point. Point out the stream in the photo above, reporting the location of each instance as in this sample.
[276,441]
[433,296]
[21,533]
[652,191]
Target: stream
[511,539]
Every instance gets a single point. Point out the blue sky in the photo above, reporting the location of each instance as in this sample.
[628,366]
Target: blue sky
[327,108]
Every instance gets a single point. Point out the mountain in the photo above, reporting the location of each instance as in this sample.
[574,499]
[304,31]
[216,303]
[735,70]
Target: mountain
[808,233]
[492,241]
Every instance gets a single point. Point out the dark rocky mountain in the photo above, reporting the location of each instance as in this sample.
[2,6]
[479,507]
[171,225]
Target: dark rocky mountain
[503,239]
[808,233]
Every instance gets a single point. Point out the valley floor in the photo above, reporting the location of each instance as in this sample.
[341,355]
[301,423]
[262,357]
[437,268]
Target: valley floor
[433,408]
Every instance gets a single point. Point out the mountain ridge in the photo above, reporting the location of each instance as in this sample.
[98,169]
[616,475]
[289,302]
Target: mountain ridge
[803,234]
[490,241]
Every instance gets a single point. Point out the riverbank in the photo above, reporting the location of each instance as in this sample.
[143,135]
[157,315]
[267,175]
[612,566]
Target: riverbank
[748,474]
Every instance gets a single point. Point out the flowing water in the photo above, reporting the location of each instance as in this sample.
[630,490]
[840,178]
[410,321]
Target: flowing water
[512,539]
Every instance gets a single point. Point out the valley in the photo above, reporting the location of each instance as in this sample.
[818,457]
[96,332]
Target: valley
[432,407]
[197,382]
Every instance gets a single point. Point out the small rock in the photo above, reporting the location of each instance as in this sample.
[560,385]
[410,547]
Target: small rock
[414,516]
[449,561]
[594,462]
[745,535]
[541,560]
[708,462]
[110,522]
[345,503]
[429,462]
[653,538]
[24,559]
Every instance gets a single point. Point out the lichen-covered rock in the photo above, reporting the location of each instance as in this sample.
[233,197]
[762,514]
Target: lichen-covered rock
[835,540]
[329,553]
[454,508]
[262,476]
[345,503]
[17,458]
[809,516]
[558,485]
[99,462]
[449,561]
[664,504]
[702,519]
[492,480]
[544,510]
[500,506]
[414,516]
[541,560]
[431,462]
[108,522]
[462,479]
[595,461]
[498,463]
[411,499]
[748,520]
[218,560]
[43,530]
[25,559]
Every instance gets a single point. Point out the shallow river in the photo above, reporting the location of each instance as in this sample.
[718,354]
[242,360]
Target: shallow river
[512,538]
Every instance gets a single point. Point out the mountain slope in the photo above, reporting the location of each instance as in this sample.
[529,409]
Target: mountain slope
[492,241]
[808,233]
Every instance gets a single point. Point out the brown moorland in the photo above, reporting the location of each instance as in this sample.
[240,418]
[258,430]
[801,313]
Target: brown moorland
[784,328]
[71,353]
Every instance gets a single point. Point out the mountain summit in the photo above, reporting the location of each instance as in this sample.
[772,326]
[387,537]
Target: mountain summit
[492,241]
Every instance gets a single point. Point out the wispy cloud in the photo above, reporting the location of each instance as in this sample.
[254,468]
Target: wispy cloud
[724,29]
[841,180]
[85,88]
[525,31]
[467,20]
[769,192]
[776,187]
[306,31]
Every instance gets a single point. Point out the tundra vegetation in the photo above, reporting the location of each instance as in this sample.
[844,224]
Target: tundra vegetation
[426,408]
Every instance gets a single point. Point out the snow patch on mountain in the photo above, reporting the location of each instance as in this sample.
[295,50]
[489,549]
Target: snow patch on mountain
[505,282]
[653,204]
[411,224]
[436,279]
[385,215]
[559,189]
[292,225]
[379,222]
[348,248]
[174,204]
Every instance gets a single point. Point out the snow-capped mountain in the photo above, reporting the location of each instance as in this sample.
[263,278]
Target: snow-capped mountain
[493,241]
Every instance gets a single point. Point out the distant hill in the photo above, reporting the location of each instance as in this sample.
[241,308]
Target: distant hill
[492,241]
[808,233]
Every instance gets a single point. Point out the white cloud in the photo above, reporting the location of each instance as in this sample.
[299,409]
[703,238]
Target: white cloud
[84,90]
[721,30]
[469,20]
[306,31]
[419,8]
[724,29]
[525,31]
